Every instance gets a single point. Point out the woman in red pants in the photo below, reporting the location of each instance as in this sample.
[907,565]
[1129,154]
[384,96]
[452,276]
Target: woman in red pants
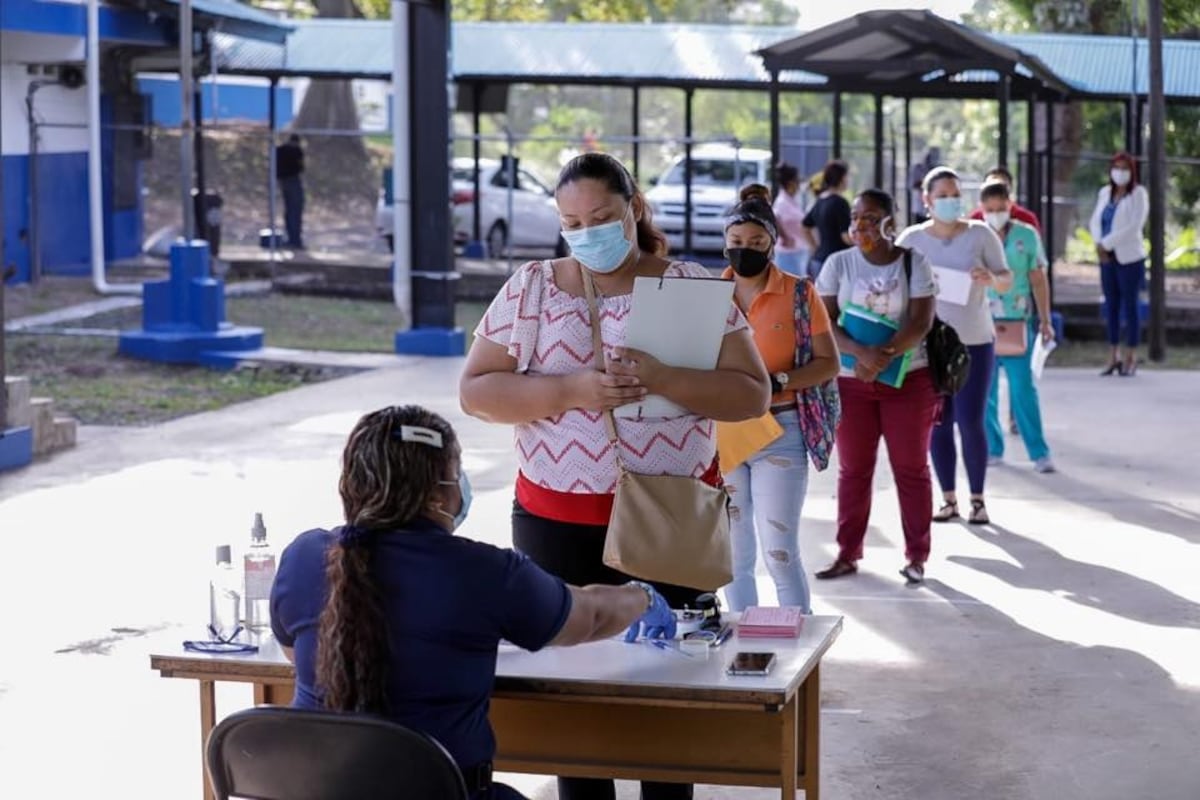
[871,280]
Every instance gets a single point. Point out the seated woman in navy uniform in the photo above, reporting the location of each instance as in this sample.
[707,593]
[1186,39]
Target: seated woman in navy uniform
[391,614]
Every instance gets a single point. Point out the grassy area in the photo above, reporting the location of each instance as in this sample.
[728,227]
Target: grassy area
[305,323]
[90,382]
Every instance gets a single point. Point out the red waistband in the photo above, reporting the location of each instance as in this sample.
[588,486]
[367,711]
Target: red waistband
[579,509]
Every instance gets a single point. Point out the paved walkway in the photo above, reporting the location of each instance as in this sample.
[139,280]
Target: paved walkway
[1050,655]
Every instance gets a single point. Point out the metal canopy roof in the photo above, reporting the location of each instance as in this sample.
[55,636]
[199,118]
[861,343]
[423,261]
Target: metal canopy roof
[723,57]
[911,53]
[315,48]
[1102,66]
[231,17]
[663,54]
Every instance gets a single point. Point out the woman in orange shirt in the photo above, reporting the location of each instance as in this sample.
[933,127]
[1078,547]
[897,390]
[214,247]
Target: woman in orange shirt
[768,488]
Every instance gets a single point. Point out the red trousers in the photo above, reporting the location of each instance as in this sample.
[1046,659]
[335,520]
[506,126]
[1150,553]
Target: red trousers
[904,417]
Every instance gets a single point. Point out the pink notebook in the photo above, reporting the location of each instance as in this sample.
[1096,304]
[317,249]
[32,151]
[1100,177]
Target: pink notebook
[770,622]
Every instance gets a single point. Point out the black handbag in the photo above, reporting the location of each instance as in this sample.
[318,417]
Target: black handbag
[949,360]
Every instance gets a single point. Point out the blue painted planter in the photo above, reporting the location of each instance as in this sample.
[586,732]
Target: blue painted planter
[183,317]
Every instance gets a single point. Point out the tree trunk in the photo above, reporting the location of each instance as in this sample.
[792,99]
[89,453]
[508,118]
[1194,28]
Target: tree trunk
[329,104]
[1068,134]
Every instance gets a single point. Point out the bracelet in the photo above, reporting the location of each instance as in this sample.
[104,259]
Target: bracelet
[648,589]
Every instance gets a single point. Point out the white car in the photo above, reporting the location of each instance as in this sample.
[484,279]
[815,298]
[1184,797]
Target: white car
[719,171]
[535,221]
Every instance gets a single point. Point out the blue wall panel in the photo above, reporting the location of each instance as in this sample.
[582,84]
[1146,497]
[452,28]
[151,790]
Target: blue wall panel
[236,101]
[63,213]
[63,210]
[16,188]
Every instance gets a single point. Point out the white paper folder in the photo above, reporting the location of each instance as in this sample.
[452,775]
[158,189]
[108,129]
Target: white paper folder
[681,322]
[953,285]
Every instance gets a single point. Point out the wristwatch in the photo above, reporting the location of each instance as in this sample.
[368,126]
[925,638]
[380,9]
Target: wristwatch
[781,380]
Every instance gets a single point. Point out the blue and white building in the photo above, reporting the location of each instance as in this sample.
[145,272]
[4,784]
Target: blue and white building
[45,120]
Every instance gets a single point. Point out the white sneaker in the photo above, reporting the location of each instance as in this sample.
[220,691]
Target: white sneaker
[1044,465]
[994,461]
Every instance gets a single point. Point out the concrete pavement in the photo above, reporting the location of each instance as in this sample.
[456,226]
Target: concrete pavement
[1053,654]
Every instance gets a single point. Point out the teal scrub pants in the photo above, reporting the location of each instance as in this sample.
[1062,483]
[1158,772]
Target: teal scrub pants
[1022,399]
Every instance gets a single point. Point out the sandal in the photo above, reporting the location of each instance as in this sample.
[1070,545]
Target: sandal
[947,512]
[837,569]
[979,515]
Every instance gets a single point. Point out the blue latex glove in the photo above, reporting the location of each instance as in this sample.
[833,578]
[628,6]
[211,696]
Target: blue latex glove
[657,623]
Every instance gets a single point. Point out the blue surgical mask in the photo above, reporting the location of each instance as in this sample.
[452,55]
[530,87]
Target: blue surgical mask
[600,248]
[947,209]
[464,489]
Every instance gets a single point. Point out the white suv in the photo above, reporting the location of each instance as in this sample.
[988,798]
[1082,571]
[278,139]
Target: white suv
[719,171]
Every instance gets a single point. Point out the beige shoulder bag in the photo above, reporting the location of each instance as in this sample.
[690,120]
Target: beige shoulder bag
[666,528]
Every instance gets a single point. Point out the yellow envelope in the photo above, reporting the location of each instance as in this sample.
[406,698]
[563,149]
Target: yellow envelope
[737,441]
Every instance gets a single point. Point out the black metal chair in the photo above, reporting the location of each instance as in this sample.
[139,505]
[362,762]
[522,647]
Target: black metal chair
[277,753]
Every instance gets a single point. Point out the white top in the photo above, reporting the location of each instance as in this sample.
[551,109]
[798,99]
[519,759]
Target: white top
[880,289]
[789,213]
[1125,238]
[977,246]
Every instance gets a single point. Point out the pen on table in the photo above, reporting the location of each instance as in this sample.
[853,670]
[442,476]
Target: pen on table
[661,645]
[723,636]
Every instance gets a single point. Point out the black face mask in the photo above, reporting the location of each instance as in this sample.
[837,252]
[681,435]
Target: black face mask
[746,261]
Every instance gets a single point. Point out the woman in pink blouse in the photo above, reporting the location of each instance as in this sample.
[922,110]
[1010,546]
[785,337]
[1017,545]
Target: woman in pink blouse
[531,366]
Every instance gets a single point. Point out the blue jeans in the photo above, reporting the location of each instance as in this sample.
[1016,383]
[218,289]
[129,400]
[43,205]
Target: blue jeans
[1121,284]
[767,495]
[966,410]
[1022,399]
[793,263]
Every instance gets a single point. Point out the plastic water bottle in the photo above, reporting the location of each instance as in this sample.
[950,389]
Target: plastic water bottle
[260,574]
[224,597]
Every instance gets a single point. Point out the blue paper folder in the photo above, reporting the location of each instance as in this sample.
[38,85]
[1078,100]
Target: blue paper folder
[867,327]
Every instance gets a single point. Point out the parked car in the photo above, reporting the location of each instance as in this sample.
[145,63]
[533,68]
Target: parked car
[535,222]
[719,171]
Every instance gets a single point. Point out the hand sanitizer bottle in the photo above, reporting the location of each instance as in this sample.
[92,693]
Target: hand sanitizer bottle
[224,597]
[260,574]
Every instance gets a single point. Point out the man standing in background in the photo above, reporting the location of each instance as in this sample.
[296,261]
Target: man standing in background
[289,166]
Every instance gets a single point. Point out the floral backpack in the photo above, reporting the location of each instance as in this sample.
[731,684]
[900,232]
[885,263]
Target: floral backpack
[820,406]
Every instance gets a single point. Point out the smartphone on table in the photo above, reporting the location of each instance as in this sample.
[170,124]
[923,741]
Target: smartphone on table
[751,664]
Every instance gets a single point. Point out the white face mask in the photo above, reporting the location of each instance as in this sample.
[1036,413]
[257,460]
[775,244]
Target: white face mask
[996,219]
[1120,177]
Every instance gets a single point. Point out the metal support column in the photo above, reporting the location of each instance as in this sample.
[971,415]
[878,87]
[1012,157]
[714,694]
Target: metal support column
[1157,169]
[186,90]
[635,129]
[837,124]
[687,171]
[1048,214]
[879,141]
[272,132]
[432,254]
[198,202]
[908,170]
[476,147]
[776,145]
[1129,117]
[1004,91]
[1030,182]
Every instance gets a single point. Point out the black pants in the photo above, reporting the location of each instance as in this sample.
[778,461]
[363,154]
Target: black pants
[575,554]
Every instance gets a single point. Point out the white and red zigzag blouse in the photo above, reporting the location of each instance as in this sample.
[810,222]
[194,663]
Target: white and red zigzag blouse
[548,332]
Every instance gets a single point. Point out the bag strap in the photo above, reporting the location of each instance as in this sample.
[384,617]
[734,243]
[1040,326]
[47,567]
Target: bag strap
[802,320]
[589,290]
